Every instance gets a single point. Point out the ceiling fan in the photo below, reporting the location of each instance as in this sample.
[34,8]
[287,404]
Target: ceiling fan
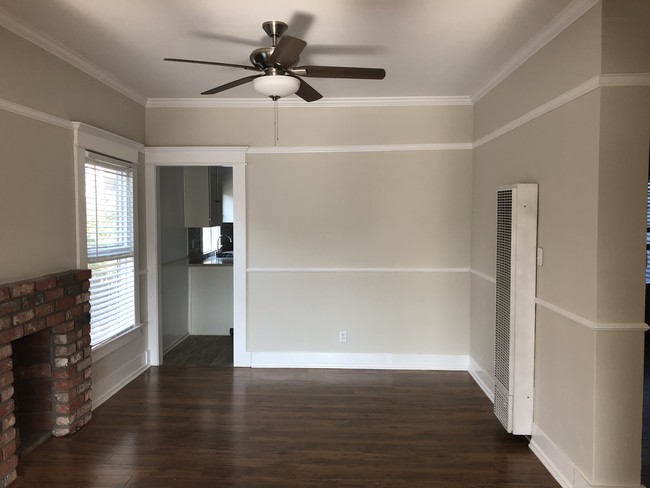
[280,77]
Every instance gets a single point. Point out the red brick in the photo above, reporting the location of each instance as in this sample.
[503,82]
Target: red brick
[86,385]
[83,342]
[65,278]
[46,283]
[68,384]
[11,334]
[65,350]
[5,351]
[64,303]
[6,378]
[6,393]
[8,466]
[8,449]
[83,275]
[7,436]
[7,408]
[4,294]
[22,317]
[8,421]
[54,294]
[74,312]
[72,336]
[82,298]
[45,309]
[63,373]
[10,307]
[71,407]
[6,364]
[28,301]
[64,327]
[22,289]
[55,319]
[35,326]
[5,322]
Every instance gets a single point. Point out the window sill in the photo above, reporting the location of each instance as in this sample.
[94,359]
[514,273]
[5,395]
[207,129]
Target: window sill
[112,345]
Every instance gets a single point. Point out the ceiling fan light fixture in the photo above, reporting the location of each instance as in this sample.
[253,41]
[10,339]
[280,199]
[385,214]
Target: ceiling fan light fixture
[276,86]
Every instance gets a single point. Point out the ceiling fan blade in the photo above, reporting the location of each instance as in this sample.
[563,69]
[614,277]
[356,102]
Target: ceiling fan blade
[340,72]
[230,85]
[307,92]
[287,52]
[214,63]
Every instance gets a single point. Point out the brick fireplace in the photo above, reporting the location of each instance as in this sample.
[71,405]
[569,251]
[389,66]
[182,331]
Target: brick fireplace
[45,361]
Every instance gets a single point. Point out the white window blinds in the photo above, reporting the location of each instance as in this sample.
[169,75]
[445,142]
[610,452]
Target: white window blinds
[110,236]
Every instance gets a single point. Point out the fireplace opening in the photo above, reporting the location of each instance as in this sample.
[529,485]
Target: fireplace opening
[32,366]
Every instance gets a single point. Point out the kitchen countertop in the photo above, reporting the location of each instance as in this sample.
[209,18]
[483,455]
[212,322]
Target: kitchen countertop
[211,260]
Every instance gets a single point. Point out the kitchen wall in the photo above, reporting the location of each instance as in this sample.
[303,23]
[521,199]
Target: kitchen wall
[37,190]
[373,243]
[586,144]
[174,272]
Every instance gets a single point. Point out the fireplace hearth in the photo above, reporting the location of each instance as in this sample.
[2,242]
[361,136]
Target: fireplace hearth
[45,362]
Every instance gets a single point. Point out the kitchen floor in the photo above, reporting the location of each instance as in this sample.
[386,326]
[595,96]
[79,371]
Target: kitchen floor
[202,352]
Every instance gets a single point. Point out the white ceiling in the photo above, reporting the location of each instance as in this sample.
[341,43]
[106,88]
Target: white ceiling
[429,48]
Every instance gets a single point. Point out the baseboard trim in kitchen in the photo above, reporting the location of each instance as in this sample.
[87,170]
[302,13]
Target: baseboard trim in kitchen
[456,362]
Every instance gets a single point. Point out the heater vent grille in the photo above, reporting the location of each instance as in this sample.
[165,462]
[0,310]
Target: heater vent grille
[503,287]
[502,409]
[514,337]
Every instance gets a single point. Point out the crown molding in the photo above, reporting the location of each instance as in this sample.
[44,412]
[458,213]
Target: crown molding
[21,29]
[564,19]
[297,103]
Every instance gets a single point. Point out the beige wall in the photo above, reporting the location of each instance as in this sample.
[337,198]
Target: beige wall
[590,158]
[340,213]
[570,59]
[36,79]
[308,126]
[37,187]
[37,199]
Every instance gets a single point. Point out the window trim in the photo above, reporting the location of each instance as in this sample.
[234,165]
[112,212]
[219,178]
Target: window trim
[88,138]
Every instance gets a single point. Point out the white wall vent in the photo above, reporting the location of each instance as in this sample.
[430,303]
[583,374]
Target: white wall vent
[516,271]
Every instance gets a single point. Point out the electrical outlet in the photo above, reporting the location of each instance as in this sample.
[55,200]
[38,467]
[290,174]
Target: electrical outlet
[343,336]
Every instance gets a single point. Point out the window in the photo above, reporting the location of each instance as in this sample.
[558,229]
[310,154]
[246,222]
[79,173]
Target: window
[110,243]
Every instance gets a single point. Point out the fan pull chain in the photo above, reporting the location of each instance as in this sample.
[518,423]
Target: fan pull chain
[276,120]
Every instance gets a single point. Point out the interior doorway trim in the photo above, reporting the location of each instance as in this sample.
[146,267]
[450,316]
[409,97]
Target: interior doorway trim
[231,156]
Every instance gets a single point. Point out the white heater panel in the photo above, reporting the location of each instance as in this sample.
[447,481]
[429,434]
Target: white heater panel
[516,272]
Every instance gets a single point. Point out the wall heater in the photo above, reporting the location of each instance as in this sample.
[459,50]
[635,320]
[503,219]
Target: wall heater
[516,269]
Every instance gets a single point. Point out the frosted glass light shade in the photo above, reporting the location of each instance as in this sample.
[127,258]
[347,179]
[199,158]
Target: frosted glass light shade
[276,85]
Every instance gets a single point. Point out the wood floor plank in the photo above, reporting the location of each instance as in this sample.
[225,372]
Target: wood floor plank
[214,427]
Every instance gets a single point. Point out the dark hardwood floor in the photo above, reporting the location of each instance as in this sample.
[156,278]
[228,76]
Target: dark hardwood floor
[202,352]
[225,427]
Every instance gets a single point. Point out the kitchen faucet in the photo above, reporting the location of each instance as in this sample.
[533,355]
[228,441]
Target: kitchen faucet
[228,245]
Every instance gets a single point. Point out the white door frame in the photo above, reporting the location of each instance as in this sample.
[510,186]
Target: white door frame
[232,156]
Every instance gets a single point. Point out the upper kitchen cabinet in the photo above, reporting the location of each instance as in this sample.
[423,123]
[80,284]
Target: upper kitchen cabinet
[204,195]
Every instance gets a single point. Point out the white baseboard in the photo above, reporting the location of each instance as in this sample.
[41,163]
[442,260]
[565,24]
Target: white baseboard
[175,343]
[483,379]
[560,465]
[110,384]
[458,362]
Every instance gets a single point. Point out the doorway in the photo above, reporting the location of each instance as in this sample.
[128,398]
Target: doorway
[195,214]
[155,159]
